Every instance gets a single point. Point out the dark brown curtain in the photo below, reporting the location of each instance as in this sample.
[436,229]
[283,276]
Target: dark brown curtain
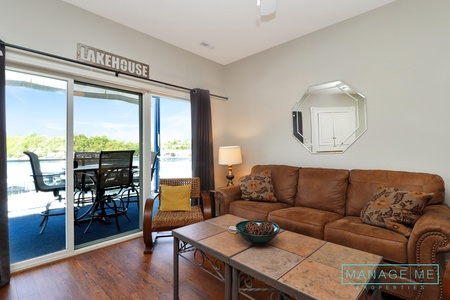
[202,141]
[4,233]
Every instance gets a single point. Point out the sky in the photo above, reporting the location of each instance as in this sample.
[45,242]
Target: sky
[175,119]
[30,110]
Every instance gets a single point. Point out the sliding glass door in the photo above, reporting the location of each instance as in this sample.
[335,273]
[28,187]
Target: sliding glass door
[36,109]
[63,125]
[41,114]
[105,119]
[172,126]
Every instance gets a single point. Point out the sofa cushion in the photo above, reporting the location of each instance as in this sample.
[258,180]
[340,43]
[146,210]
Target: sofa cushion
[254,210]
[395,209]
[303,220]
[362,183]
[284,179]
[352,232]
[257,187]
[323,189]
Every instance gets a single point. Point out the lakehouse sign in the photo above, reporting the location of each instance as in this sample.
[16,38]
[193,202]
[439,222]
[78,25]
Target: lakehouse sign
[97,57]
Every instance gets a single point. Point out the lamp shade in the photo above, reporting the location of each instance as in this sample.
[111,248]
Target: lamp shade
[230,155]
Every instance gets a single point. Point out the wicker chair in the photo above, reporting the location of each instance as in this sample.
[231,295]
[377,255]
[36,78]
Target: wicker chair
[165,221]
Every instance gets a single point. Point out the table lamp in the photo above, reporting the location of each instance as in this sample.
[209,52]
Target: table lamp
[230,155]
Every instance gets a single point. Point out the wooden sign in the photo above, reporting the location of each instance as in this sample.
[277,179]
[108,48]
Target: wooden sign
[97,57]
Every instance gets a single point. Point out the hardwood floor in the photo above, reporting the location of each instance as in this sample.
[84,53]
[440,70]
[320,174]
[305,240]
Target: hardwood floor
[120,271]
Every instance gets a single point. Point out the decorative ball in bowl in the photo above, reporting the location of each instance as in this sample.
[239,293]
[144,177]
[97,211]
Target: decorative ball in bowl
[257,231]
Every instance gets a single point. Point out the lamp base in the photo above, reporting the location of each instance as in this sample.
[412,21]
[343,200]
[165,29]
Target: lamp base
[230,175]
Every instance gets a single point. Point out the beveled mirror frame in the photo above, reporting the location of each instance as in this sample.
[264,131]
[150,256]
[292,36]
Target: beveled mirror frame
[329,117]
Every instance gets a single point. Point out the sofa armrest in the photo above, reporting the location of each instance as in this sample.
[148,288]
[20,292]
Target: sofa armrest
[430,235]
[226,195]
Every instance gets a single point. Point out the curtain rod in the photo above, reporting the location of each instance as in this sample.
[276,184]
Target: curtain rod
[101,68]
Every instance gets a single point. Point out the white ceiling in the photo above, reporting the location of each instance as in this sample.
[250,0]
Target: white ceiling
[232,28]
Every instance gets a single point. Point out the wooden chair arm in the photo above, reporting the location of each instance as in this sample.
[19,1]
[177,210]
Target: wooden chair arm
[147,226]
[206,202]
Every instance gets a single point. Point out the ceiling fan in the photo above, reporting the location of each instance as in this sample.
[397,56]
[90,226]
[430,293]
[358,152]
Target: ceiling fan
[268,9]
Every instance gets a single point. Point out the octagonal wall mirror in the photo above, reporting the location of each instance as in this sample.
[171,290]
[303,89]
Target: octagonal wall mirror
[329,117]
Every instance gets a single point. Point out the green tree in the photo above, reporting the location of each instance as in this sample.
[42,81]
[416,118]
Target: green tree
[45,146]
[177,144]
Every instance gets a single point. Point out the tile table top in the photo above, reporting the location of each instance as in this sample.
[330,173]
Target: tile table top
[293,263]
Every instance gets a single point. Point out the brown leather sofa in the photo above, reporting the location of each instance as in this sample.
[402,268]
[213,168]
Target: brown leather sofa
[326,204]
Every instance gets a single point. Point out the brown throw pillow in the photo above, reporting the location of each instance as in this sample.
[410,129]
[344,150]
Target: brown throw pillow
[258,187]
[395,209]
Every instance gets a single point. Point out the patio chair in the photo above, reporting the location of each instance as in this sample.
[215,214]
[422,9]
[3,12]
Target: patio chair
[47,182]
[132,193]
[87,158]
[83,181]
[114,175]
[161,221]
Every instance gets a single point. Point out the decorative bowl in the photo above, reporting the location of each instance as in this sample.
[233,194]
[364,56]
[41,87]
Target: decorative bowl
[254,238]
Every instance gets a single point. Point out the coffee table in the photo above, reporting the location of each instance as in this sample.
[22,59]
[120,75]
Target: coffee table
[304,268]
[210,237]
[291,264]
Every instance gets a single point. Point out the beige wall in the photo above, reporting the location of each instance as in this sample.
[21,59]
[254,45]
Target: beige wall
[397,55]
[56,27]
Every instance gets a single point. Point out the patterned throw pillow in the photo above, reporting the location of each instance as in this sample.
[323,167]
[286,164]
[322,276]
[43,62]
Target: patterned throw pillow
[258,187]
[395,209]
